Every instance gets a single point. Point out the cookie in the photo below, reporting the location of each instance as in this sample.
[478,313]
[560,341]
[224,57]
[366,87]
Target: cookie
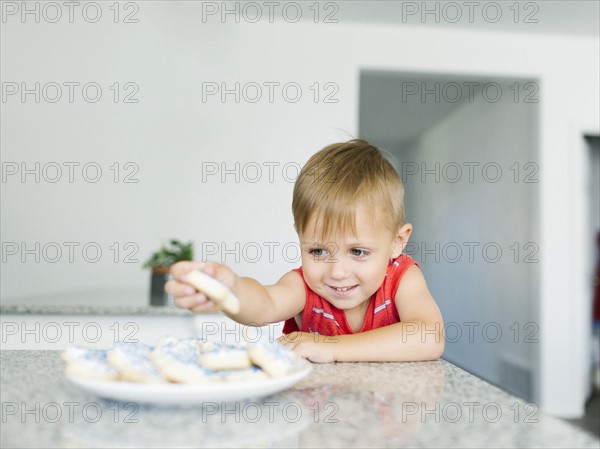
[275,359]
[132,361]
[225,357]
[178,360]
[89,364]
[188,361]
[215,290]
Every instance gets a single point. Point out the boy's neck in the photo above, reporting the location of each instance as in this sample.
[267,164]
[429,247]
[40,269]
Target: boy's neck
[356,317]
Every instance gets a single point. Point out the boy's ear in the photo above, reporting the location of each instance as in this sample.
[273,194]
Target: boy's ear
[401,240]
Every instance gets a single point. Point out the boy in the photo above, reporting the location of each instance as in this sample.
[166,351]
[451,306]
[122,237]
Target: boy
[356,296]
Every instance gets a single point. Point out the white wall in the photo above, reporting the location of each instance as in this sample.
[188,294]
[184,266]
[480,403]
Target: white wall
[170,132]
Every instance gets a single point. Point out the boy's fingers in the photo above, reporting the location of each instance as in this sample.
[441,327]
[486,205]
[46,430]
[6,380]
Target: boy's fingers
[178,289]
[189,302]
[208,268]
[287,342]
[185,302]
[180,269]
[207,307]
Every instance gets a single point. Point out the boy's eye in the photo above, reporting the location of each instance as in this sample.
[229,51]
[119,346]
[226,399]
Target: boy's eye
[359,252]
[317,252]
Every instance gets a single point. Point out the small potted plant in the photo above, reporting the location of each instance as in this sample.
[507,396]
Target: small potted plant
[160,262]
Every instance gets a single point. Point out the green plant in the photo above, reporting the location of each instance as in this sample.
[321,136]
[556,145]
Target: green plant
[168,254]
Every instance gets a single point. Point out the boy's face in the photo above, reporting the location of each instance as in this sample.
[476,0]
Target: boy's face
[348,269]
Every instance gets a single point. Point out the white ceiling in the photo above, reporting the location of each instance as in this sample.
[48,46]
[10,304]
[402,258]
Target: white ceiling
[578,17]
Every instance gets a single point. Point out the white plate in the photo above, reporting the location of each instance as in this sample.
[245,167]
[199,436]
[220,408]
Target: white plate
[189,394]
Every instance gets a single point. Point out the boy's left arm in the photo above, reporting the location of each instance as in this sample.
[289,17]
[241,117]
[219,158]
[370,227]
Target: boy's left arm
[419,336]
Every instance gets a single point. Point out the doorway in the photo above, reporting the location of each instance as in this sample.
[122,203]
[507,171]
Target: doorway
[467,151]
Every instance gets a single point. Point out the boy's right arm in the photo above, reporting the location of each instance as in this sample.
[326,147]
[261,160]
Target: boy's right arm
[259,305]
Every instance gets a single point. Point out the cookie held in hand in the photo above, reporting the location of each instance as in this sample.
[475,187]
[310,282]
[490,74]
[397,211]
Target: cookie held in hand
[215,290]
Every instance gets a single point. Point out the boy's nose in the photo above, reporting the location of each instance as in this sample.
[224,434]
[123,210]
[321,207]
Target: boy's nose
[337,270]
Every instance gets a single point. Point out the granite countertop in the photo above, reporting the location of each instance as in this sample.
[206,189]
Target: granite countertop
[420,404]
[88,302]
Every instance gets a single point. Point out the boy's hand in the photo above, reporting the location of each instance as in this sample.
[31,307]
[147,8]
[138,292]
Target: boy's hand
[186,296]
[314,347]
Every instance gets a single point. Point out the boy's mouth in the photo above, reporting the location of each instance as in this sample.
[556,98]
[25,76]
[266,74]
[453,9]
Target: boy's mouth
[342,291]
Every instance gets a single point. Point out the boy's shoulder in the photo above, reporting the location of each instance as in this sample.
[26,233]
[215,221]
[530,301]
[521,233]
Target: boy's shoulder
[403,260]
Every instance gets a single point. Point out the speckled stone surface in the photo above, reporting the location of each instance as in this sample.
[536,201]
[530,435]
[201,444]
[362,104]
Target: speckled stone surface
[422,404]
[88,302]
[57,309]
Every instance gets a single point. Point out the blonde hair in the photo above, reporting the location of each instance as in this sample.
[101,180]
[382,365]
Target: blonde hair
[341,177]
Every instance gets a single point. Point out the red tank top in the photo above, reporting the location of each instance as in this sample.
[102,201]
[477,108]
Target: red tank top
[320,317]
